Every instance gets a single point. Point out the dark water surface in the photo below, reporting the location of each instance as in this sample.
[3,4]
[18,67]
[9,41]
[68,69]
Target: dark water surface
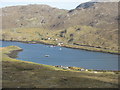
[65,56]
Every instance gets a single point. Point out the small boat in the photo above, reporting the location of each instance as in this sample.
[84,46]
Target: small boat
[47,55]
[60,49]
[51,46]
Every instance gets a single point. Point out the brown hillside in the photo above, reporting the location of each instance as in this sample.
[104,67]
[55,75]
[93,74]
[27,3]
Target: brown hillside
[89,24]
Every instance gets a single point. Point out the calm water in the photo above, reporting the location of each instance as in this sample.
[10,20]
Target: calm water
[65,56]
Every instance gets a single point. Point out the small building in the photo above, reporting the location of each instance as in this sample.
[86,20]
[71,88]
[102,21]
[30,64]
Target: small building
[82,69]
[58,66]
[65,67]
[95,72]
[60,43]
[49,38]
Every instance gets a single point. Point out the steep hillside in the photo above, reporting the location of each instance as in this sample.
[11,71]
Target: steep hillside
[90,13]
[90,24]
[30,16]
[100,15]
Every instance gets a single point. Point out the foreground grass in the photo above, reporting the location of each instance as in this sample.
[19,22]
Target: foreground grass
[23,74]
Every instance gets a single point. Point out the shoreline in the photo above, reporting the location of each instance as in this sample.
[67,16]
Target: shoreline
[13,54]
[67,46]
[20,74]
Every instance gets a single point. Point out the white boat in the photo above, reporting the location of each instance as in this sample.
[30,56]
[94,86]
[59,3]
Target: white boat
[60,49]
[51,46]
[47,55]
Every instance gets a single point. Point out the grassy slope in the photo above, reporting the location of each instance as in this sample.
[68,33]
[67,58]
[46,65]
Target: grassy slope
[17,74]
[83,37]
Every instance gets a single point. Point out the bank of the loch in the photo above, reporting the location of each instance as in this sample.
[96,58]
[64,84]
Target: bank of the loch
[94,49]
[23,74]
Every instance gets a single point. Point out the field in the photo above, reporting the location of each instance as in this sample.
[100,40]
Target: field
[23,74]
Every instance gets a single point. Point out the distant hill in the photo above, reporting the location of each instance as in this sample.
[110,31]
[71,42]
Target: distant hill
[90,24]
[90,13]
[86,5]
[30,16]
